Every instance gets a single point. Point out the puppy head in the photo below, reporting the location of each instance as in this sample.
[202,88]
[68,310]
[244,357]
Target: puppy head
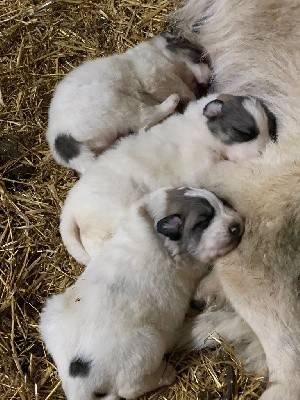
[200,224]
[242,123]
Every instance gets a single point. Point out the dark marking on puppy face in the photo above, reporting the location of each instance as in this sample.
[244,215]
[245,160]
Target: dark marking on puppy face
[272,123]
[198,305]
[79,368]
[229,121]
[226,203]
[66,146]
[182,46]
[187,218]
[170,226]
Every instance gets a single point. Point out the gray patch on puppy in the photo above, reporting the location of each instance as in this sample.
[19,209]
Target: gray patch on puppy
[229,121]
[79,367]
[195,214]
[184,47]
[67,147]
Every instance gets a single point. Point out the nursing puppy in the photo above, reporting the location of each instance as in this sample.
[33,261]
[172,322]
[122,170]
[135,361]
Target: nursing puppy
[110,97]
[109,332]
[177,152]
[260,279]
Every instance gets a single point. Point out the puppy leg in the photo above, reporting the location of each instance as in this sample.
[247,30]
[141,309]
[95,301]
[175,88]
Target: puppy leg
[163,376]
[220,320]
[204,330]
[209,290]
[273,314]
[152,115]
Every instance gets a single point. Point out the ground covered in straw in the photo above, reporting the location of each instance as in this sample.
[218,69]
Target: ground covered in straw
[40,41]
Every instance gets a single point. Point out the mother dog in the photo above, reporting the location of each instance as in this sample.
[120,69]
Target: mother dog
[255,50]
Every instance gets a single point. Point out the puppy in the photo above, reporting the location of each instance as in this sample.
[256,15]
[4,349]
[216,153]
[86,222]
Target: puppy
[261,279]
[177,152]
[110,97]
[109,332]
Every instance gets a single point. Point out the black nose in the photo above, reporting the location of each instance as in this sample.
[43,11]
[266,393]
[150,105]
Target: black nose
[235,229]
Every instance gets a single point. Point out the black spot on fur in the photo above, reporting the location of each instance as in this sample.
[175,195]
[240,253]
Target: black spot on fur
[225,203]
[100,395]
[182,46]
[197,305]
[170,226]
[79,367]
[67,147]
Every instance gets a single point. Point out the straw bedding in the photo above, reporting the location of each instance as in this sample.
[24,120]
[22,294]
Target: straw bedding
[40,41]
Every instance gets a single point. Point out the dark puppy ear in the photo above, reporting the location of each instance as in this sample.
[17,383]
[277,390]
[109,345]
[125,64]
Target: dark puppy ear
[169,37]
[213,109]
[170,226]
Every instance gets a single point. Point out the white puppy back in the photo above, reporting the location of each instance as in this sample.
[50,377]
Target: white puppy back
[110,97]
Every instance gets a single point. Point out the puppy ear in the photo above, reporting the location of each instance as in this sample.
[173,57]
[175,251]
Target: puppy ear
[170,226]
[213,109]
[169,37]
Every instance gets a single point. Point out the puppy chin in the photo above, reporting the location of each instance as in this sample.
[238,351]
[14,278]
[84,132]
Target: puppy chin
[240,152]
[231,245]
[211,255]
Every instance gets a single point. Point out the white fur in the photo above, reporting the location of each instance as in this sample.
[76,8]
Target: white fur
[122,314]
[255,50]
[177,152]
[106,98]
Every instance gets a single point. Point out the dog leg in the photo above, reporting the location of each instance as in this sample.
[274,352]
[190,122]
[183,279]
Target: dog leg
[154,114]
[273,314]
[204,331]
[163,376]
[220,320]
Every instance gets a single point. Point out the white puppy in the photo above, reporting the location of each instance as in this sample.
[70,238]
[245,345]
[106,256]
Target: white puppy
[110,97]
[109,332]
[177,152]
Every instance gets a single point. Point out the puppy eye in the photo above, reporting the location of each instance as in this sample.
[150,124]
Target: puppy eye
[250,132]
[202,222]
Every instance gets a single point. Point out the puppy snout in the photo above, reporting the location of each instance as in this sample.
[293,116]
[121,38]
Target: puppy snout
[235,229]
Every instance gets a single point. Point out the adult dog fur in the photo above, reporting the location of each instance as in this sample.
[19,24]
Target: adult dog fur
[255,49]
[109,332]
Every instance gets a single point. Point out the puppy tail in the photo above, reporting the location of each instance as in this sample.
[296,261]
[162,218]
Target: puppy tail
[70,234]
[68,151]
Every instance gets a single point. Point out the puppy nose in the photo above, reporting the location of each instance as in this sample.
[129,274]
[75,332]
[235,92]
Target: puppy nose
[235,229]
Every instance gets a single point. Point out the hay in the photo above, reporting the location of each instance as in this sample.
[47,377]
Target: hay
[40,42]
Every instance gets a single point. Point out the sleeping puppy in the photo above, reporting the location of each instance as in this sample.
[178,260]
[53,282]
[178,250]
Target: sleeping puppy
[177,152]
[110,97]
[109,332]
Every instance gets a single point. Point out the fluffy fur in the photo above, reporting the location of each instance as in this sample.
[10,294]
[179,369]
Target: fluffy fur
[110,97]
[254,49]
[177,152]
[109,332]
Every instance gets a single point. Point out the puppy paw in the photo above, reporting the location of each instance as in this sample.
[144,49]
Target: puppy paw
[172,101]
[169,376]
